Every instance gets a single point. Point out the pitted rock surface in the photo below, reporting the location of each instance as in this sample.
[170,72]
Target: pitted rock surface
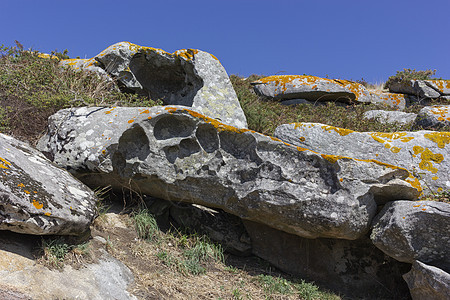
[186,77]
[386,116]
[414,230]
[428,282]
[424,153]
[177,154]
[433,117]
[36,197]
[422,88]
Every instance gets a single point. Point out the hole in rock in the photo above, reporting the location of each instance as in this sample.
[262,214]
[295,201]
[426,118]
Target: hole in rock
[166,77]
[188,147]
[207,137]
[171,126]
[134,143]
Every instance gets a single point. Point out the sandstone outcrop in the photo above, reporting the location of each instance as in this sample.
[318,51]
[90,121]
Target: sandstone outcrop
[414,230]
[428,282]
[312,88]
[424,153]
[36,197]
[386,116]
[434,117]
[422,88]
[186,77]
[177,154]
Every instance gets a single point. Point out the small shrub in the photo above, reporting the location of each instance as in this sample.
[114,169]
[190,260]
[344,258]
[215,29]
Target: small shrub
[55,250]
[408,74]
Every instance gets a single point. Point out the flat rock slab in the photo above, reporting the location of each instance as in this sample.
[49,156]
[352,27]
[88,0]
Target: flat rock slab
[188,77]
[424,153]
[432,117]
[414,230]
[36,197]
[391,116]
[422,88]
[312,88]
[428,282]
[174,153]
[283,87]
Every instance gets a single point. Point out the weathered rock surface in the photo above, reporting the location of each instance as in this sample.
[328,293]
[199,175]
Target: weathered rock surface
[352,268]
[36,197]
[284,87]
[425,153]
[186,77]
[432,117]
[414,230]
[391,116]
[19,272]
[428,282]
[422,88]
[176,154]
[312,88]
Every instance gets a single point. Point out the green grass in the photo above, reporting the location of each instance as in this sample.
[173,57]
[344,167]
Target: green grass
[193,252]
[145,225]
[33,88]
[265,116]
[278,285]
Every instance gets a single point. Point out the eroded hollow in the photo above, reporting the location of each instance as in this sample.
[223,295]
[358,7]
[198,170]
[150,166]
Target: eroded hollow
[134,143]
[166,77]
[207,137]
[171,126]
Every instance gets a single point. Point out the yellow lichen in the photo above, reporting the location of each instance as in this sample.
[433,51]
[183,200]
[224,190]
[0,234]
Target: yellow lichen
[340,131]
[427,158]
[440,138]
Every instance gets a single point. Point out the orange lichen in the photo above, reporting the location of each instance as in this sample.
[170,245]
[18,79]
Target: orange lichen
[130,121]
[4,164]
[47,214]
[27,192]
[435,178]
[37,204]
[302,139]
[440,138]
[21,185]
[144,112]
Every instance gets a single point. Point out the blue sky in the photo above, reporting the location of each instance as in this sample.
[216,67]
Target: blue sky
[342,39]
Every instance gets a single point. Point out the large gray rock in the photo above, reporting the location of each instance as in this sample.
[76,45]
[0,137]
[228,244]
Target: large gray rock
[186,77]
[106,279]
[422,88]
[418,230]
[428,282]
[424,153]
[36,197]
[312,88]
[432,117]
[356,269]
[176,154]
[392,117]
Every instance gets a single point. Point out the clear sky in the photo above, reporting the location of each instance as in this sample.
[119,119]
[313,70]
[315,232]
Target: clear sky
[369,39]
